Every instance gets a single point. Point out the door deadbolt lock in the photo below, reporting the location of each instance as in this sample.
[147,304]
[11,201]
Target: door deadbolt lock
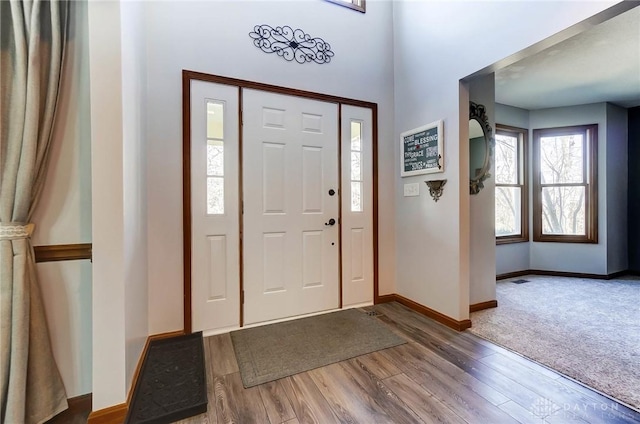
[331,222]
[332,192]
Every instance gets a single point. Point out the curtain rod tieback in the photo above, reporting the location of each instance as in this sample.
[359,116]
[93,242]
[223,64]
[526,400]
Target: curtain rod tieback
[15,231]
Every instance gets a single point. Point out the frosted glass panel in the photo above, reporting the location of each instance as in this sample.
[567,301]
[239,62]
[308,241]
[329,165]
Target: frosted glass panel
[356,196]
[356,136]
[215,195]
[215,158]
[215,119]
[356,168]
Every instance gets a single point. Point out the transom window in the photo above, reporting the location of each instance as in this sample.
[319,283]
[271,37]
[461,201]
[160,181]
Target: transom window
[358,5]
[565,199]
[511,188]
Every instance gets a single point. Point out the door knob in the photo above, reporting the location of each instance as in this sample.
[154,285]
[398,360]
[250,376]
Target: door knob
[332,192]
[331,222]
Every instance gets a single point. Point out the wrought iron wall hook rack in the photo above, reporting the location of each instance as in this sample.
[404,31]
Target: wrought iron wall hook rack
[291,44]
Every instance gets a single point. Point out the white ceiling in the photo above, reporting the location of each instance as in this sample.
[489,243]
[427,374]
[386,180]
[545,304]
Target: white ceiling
[601,64]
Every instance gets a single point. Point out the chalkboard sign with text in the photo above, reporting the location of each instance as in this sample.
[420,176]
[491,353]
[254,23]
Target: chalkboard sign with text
[421,150]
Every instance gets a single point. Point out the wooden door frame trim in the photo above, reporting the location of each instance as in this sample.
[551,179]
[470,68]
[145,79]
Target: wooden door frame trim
[187,77]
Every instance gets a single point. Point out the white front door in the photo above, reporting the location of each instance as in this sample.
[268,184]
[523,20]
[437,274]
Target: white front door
[290,243]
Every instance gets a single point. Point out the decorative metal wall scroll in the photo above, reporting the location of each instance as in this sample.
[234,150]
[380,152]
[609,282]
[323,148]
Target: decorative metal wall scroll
[291,44]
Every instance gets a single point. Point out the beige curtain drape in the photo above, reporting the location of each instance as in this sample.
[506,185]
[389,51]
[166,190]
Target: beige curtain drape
[32,37]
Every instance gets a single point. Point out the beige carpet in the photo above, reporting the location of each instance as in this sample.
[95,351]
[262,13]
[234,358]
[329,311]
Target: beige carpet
[586,329]
[275,351]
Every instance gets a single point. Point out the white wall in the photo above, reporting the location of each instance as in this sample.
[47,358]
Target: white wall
[617,188]
[135,185]
[514,257]
[435,45]
[482,255]
[63,215]
[576,257]
[107,212]
[120,295]
[108,205]
[212,37]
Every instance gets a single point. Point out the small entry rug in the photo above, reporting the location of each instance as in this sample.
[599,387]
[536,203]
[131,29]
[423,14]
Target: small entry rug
[279,350]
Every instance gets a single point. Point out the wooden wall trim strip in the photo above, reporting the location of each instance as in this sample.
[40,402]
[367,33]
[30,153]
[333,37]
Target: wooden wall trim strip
[483,305]
[428,312]
[194,75]
[435,315]
[62,252]
[385,298]
[118,413]
[111,415]
[561,274]
[514,274]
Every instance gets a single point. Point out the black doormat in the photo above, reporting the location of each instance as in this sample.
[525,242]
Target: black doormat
[519,281]
[172,383]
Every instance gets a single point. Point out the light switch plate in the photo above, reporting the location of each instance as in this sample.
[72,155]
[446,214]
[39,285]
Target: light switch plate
[411,190]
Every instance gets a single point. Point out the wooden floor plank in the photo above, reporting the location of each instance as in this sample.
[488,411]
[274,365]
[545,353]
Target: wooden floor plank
[223,358]
[348,402]
[211,397]
[235,404]
[385,399]
[379,365]
[583,406]
[428,408]
[306,400]
[463,397]
[276,402]
[599,398]
[198,419]
[443,370]
[531,415]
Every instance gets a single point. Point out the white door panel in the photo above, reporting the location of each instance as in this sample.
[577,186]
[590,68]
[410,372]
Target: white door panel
[215,251]
[290,163]
[357,205]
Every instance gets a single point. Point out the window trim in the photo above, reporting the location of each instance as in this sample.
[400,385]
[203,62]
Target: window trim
[590,169]
[350,4]
[523,158]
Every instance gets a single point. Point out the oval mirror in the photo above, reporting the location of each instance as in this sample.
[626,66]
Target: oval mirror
[480,147]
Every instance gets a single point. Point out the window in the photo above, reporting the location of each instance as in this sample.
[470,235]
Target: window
[565,201]
[356,166]
[215,158]
[512,221]
[352,4]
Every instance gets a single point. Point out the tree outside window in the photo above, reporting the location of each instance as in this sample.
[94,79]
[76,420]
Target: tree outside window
[511,190]
[565,184]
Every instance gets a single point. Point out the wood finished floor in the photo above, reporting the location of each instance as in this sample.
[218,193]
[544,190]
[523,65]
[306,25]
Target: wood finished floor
[439,376]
